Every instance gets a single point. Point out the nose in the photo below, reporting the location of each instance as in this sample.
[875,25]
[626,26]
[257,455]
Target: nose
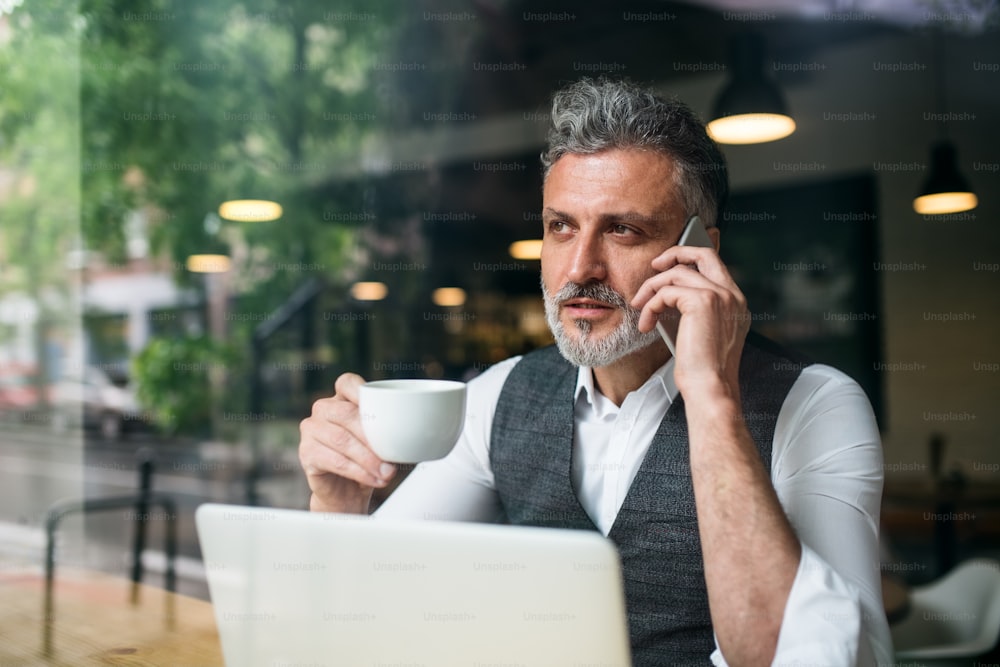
[587,263]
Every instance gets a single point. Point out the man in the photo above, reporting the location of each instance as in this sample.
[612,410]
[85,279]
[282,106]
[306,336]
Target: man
[740,484]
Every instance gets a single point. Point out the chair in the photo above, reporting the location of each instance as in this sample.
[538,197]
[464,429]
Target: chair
[957,616]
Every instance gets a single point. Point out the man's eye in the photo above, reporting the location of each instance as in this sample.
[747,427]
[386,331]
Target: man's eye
[621,229]
[557,226]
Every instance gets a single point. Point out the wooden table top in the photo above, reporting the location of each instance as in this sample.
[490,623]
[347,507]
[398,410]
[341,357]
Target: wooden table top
[94,623]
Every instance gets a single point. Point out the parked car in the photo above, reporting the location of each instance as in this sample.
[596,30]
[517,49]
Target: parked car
[19,396]
[92,400]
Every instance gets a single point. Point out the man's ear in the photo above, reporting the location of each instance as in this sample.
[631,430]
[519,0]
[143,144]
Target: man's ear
[713,233]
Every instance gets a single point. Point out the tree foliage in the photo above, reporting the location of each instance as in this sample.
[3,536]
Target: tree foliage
[39,164]
[187,105]
[118,112]
[174,377]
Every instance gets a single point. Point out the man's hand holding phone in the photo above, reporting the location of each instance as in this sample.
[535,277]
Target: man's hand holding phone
[713,320]
[693,234]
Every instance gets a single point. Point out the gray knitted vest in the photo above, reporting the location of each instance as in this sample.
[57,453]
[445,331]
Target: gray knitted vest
[656,530]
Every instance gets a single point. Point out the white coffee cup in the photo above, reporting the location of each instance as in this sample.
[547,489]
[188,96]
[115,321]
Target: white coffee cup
[408,421]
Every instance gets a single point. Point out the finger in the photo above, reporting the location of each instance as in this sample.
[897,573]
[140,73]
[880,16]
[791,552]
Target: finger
[343,408]
[682,290]
[329,448]
[336,423]
[324,462]
[683,254]
[356,450]
[346,386]
[706,260]
[660,307]
[680,275]
[340,413]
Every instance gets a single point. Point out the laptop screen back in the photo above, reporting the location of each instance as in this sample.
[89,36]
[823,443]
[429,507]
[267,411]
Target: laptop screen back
[291,588]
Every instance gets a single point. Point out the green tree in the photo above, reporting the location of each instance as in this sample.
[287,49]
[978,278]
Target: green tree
[116,107]
[39,165]
[174,376]
[191,104]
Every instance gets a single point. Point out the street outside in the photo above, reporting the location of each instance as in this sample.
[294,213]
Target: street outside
[40,466]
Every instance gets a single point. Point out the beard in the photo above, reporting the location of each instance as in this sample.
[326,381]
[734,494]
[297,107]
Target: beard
[583,349]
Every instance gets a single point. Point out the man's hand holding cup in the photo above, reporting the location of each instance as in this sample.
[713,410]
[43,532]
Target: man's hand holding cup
[350,442]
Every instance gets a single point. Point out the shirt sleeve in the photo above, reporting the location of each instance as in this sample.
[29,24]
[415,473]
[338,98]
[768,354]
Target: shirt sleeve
[460,486]
[827,473]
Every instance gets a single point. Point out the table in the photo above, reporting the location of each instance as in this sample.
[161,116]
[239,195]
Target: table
[94,623]
[943,516]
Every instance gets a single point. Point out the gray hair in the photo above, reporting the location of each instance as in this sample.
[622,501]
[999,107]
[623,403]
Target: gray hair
[591,116]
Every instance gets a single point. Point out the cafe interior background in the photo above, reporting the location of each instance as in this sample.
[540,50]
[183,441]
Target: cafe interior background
[146,314]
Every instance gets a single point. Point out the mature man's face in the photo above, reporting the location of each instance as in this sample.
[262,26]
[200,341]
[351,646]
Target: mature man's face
[605,217]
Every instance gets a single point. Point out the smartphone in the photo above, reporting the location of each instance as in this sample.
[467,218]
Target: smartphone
[694,234]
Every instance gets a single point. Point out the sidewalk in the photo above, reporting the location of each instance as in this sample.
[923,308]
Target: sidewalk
[22,548]
[39,470]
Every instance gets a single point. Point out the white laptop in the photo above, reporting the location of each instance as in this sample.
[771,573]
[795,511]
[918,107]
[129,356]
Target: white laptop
[292,588]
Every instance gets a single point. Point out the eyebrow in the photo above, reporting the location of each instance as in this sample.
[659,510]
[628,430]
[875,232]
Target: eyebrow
[625,216]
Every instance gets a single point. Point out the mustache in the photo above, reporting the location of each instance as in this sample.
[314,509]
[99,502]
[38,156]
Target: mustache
[595,291]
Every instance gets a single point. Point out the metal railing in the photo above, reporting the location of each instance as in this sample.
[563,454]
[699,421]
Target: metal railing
[141,503]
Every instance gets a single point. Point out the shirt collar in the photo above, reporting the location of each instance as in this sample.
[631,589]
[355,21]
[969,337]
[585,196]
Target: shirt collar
[662,377]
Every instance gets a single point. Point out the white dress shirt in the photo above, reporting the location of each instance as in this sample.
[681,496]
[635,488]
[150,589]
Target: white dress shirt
[826,467]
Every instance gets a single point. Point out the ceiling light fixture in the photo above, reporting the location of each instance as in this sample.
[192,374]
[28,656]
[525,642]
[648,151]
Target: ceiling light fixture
[526,249]
[751,108]
[369,291]
[250,210]
[945,190]
[448,296]
[208,263]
